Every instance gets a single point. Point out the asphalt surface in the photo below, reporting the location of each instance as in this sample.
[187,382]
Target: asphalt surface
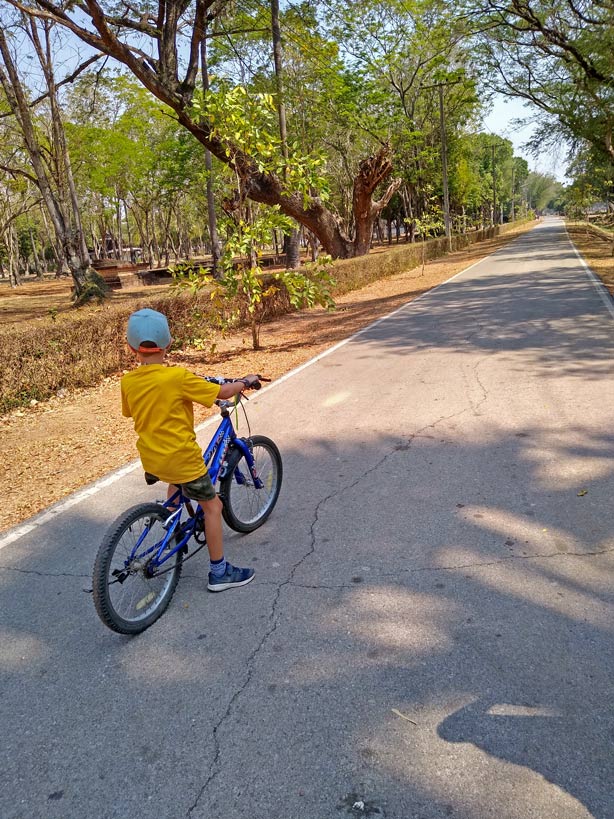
[430,629]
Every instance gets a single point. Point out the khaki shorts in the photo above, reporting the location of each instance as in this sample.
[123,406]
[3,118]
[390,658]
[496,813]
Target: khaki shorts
[200,489]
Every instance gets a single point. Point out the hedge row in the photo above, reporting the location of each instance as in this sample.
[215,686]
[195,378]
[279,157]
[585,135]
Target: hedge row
[80,349]
[350,274]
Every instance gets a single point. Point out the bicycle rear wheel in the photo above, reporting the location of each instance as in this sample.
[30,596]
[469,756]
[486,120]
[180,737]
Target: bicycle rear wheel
[248,500]
[127,599]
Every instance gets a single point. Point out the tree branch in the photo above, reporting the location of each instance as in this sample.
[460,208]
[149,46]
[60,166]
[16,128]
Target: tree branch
[19,172]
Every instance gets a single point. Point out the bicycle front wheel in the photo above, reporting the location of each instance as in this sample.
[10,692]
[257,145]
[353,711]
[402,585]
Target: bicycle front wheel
[249,497]
[130,593]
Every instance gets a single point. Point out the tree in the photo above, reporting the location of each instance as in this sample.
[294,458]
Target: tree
[160,70]
[48,154]
[416,83]
[541,189]
[559,56]
[141,172]
[18,197]
[592,173]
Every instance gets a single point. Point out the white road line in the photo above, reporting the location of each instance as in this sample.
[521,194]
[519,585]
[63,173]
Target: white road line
[52,512]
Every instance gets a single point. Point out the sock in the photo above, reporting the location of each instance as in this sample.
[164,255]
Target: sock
[217,567]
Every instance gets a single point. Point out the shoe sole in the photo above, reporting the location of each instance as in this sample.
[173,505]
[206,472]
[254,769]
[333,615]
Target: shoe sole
[223,586]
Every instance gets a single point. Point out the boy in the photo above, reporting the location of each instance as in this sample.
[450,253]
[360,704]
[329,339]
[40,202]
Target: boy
[159,399]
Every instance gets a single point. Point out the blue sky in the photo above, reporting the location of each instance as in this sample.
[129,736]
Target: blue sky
[500,121]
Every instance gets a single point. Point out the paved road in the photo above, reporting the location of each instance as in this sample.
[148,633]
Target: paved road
[430,630]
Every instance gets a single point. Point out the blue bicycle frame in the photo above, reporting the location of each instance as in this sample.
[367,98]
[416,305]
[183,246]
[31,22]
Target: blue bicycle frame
[215,456]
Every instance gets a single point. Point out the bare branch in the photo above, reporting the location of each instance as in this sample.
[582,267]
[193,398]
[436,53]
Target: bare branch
[14,172]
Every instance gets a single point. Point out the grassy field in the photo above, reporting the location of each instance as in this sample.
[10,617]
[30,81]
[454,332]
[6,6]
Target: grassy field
[51,298]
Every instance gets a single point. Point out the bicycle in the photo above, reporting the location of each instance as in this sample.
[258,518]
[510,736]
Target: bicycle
[139,561]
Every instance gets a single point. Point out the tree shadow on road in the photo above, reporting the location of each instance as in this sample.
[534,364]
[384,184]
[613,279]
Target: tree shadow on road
[552,315]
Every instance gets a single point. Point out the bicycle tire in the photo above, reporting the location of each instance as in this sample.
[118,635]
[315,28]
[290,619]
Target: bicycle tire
[246,507]
[108,589]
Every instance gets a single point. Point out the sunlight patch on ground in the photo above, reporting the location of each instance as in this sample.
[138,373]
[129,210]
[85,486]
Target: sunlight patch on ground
[337,398]
[563,464]
[504,709]
[528,580]
[519,528]
[19,649]
[403,620]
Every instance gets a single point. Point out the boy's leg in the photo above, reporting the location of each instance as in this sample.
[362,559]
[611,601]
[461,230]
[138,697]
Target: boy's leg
[213,527]
[222,575]
[170,492]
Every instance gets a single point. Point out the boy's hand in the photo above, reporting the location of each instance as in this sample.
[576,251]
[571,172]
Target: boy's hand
[252,382]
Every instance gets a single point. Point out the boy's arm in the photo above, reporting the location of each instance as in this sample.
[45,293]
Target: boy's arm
[231,388]
[206,392]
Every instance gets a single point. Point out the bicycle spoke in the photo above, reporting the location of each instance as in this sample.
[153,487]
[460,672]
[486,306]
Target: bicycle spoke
[128,595]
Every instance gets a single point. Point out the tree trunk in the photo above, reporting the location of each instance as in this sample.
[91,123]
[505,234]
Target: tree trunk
[38,267]
[143,230]
[118,218]
[268,189]
[70,239]
[214,239]
[372,171]
[312,239]
[292,240]
[292,249]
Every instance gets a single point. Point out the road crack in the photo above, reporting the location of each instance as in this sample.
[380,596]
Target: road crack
[44,574]
[274,616]
[459,567]
[273,623]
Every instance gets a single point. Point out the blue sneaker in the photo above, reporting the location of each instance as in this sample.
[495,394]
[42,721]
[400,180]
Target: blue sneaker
[232,577]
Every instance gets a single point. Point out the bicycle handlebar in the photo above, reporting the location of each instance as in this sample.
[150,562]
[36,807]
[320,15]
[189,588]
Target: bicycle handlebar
[219,380]
[226,403]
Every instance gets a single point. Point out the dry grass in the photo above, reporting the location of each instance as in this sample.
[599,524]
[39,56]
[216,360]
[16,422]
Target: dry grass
[37,301]
[597,253]
[79,348]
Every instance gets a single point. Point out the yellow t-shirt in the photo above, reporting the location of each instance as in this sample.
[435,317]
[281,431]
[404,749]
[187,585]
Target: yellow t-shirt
[159,399]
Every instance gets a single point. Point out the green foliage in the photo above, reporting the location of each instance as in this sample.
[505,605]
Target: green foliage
[310,286]
[558,55]
[427,226]
[242,293]
[354,76]
[578,198]
[542,190]
[251,121]
[80,347]
[65,350]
